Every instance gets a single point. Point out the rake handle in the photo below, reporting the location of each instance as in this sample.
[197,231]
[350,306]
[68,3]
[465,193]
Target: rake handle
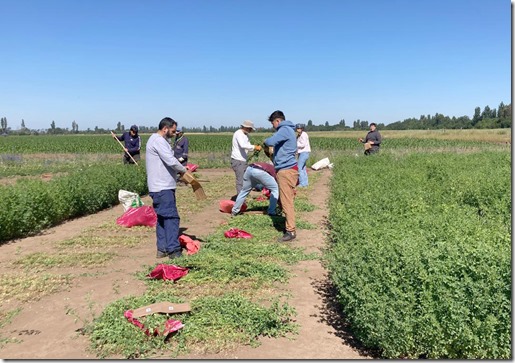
[114,137]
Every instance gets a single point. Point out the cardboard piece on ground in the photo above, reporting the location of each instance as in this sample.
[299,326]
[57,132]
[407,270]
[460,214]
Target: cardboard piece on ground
[161,307]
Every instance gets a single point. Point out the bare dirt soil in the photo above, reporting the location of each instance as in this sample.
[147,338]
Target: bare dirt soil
[50,327]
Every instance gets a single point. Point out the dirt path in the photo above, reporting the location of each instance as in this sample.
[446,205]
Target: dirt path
[48,328]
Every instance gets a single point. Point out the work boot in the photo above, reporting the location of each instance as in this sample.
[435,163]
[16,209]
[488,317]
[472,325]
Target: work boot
[161,254]
[288,236]
[175,254]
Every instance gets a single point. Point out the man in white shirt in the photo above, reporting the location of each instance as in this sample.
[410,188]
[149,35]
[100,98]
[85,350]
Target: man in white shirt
[240,147]
[162,168]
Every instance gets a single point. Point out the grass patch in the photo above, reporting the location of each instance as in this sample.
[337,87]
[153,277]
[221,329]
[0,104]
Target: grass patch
[82,259]
[215,324]
[31,287]
[118,241]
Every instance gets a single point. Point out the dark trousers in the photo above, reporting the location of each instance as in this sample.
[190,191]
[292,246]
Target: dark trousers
[167,228]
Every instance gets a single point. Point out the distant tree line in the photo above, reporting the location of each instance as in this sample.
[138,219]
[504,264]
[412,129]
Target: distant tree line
[489,118]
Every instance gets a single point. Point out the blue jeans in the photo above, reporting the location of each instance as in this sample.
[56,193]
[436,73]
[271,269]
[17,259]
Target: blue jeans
[303,174]
[167,228]
[251,178]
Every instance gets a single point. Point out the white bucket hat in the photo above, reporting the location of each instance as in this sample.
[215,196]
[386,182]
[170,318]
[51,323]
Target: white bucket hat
[249,124]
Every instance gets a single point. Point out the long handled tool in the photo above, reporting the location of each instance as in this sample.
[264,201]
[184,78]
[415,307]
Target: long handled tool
[114,137]
[197,188]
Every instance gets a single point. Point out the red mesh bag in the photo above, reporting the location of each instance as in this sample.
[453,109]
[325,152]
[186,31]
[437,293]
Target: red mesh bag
[237,233]
[192,167]
[192,245]
[141,216]
[168,272]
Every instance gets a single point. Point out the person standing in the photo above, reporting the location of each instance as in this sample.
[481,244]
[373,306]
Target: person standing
[285,147]
[240,147]
[180,147]
[132,144]
[162,168]
[372,140]
[303,151]
[258,174]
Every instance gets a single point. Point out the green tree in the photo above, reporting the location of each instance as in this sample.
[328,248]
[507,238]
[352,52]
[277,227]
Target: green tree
[52,127]
[477,116]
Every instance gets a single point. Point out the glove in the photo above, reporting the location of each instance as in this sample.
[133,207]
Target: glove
[181,159]
[257,147]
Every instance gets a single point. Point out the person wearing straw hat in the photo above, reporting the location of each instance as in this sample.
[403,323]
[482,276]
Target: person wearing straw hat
[372,140]
[162,168]
[240,147]
[132,145]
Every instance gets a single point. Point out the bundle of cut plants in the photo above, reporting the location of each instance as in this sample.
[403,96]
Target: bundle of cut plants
[189,178]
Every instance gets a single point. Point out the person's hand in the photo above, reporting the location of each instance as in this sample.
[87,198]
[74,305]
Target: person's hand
[257,147]
[371,142]
[360,139]
[126,150]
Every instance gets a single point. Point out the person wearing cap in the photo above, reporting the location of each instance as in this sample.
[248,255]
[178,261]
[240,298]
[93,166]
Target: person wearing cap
[303,151]
[132,145]
[240,147]
[162,168]
[180,146]
[372,140]
[287,173]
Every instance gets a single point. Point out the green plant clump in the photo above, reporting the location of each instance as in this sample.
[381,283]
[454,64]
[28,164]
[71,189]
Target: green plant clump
[421,253]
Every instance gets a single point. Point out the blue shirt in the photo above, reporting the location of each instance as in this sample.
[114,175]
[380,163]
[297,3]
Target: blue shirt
[284,142]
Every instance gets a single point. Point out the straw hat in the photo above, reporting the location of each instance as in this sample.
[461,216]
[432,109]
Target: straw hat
[248,124]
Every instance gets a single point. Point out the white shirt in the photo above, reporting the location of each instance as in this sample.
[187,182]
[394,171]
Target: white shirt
[240,146]
[303,143]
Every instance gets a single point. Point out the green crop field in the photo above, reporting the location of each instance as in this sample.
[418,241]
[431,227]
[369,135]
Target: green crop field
[420,234]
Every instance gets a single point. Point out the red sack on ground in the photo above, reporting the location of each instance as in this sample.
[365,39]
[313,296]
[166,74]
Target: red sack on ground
[192,245]
[226,206]
[170,325]
[168,272]
[237,233]
[141,216]
[191,167]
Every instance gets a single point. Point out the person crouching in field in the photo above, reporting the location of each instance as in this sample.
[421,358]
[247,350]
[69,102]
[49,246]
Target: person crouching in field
[162,168]
[132,145]
[372,141]
[256,174]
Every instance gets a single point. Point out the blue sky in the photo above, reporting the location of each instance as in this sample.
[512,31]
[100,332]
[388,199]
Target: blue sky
[219,62]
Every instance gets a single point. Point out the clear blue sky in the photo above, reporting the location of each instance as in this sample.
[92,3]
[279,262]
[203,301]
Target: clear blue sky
[218,62]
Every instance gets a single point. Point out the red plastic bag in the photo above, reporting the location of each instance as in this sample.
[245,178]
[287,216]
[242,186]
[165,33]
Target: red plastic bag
[266,192]
[192,245]
[170,325]
[191,167]
[168,272]
[237,233]
[226,206]
[141,216]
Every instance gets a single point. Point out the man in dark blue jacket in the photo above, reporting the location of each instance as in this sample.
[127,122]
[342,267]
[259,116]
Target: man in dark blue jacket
[284,142]
[180,147]
[132,145]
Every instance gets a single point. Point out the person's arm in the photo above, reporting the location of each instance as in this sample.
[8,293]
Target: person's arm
[185,148]
[166,154]
[275,138]
[243,142]
[378,139]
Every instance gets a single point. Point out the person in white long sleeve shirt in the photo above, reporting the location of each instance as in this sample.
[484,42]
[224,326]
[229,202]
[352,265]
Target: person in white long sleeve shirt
[162,168]
[240,147]
[303,151]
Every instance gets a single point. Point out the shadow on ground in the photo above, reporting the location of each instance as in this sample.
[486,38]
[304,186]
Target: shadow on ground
[331,314]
